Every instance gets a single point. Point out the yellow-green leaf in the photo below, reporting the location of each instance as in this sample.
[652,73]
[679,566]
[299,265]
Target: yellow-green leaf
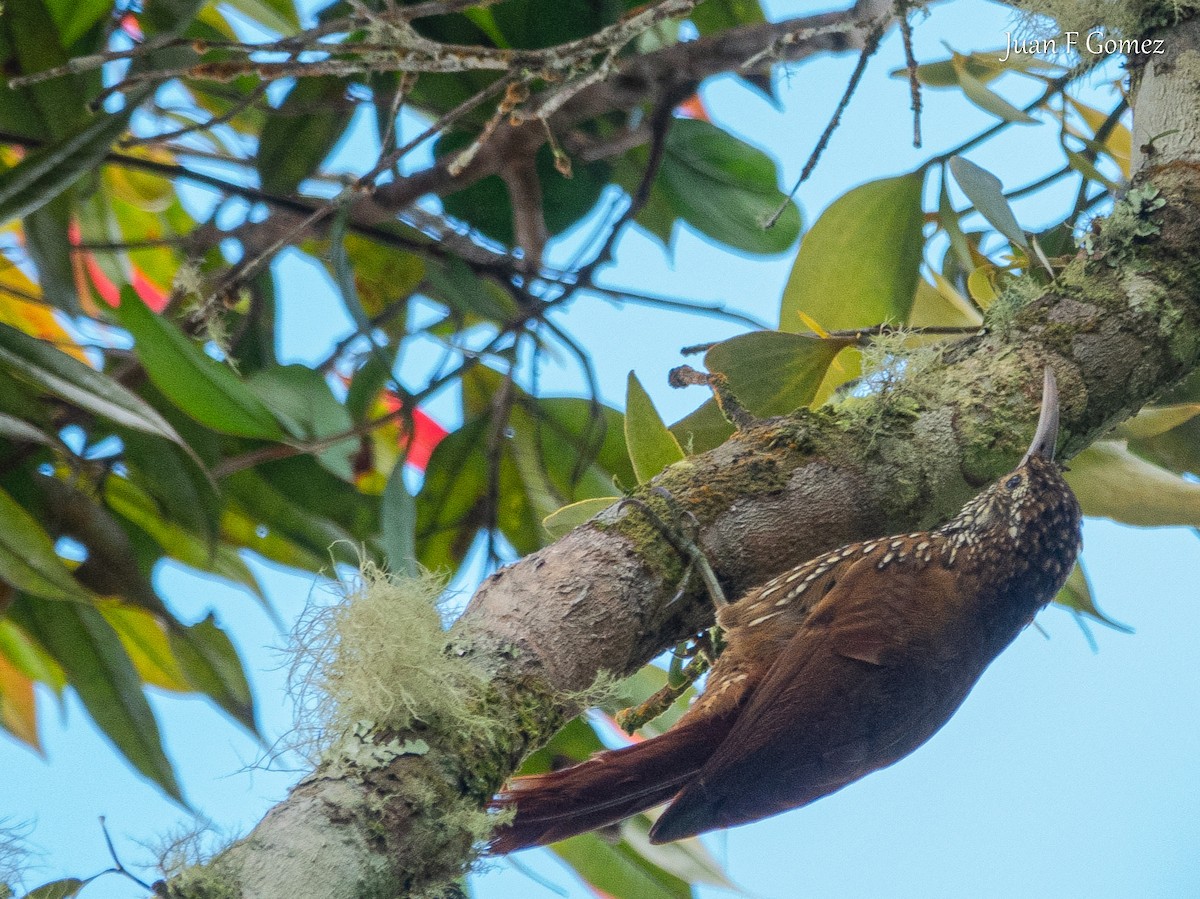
[1118,144]
[652,447]
[1155,420]
[146,643]
[859,264]
[1111,482]
[571,516]
[28,657]
[1076,595]
[981,286]
[990,101]
[18,709]
[941,306]
[687,859]
[66,888]
[619,870]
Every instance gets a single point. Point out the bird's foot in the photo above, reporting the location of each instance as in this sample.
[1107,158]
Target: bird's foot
[683,534]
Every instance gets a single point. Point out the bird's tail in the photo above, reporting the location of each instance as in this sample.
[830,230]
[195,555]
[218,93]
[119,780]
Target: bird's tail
[606,788]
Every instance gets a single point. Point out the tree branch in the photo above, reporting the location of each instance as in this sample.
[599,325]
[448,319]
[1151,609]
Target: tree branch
[1118,325]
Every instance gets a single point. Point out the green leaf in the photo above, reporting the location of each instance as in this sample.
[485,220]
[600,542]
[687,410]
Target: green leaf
[1155,420]
[485,205]
[90,652]
[1111,482]
[57,889]
[398,522]
[75,17]
[183,489]
[129,501]
[773,372]
[381,275]
[300,133]
[68,378]
[639,687]
[300,398]
[702,429]
[576,740]
[949,221]
[652,447]
[687,859]
[1076,595]
[199,385]
[725,188]
[369,381]
[859,264]
[27,558]
[983,65]
[24,432]
[713,16]
[46,172]
[986,194]
[618,869]
[571,516]
[264,504]
[452,498]
[211,665]
[47,239]
[1087,168]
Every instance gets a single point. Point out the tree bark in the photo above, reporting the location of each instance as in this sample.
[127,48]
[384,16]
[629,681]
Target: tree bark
[1119,325]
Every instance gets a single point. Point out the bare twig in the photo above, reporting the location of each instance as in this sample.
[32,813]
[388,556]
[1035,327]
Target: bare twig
[910,62]
[868,50]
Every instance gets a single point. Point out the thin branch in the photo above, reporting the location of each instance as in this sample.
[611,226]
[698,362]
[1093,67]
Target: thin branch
[714,310]
[910,63]
[869,47]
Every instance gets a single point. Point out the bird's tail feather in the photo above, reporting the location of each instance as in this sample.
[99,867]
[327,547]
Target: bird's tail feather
[606,788]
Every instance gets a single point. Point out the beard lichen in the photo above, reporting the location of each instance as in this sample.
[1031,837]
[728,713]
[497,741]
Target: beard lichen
[896,386]
[185,857]
[379,660]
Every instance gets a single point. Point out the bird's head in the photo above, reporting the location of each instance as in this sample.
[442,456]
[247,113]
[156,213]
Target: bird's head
[1029,514]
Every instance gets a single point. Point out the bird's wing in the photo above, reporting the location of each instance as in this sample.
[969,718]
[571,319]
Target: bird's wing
[863,682]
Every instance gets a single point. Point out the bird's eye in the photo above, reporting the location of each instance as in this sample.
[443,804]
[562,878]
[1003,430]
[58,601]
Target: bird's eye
[1012,482]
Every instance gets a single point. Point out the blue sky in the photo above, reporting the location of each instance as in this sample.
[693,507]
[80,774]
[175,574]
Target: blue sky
[1067,773]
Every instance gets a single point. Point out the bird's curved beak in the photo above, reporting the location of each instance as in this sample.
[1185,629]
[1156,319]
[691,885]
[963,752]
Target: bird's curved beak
[1046,434]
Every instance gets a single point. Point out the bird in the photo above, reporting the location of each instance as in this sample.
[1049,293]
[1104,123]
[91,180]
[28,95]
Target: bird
[836,668]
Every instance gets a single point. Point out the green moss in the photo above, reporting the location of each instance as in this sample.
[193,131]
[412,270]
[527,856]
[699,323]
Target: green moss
[1004,315]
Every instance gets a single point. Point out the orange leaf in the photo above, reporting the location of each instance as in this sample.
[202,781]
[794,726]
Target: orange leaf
[693,108]
[18,709]
[32,316]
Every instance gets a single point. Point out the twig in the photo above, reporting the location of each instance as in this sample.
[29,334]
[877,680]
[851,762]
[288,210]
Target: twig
[660,126]
[731,407]
[715,310]
[663,698]
[910,62]
[869,47]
